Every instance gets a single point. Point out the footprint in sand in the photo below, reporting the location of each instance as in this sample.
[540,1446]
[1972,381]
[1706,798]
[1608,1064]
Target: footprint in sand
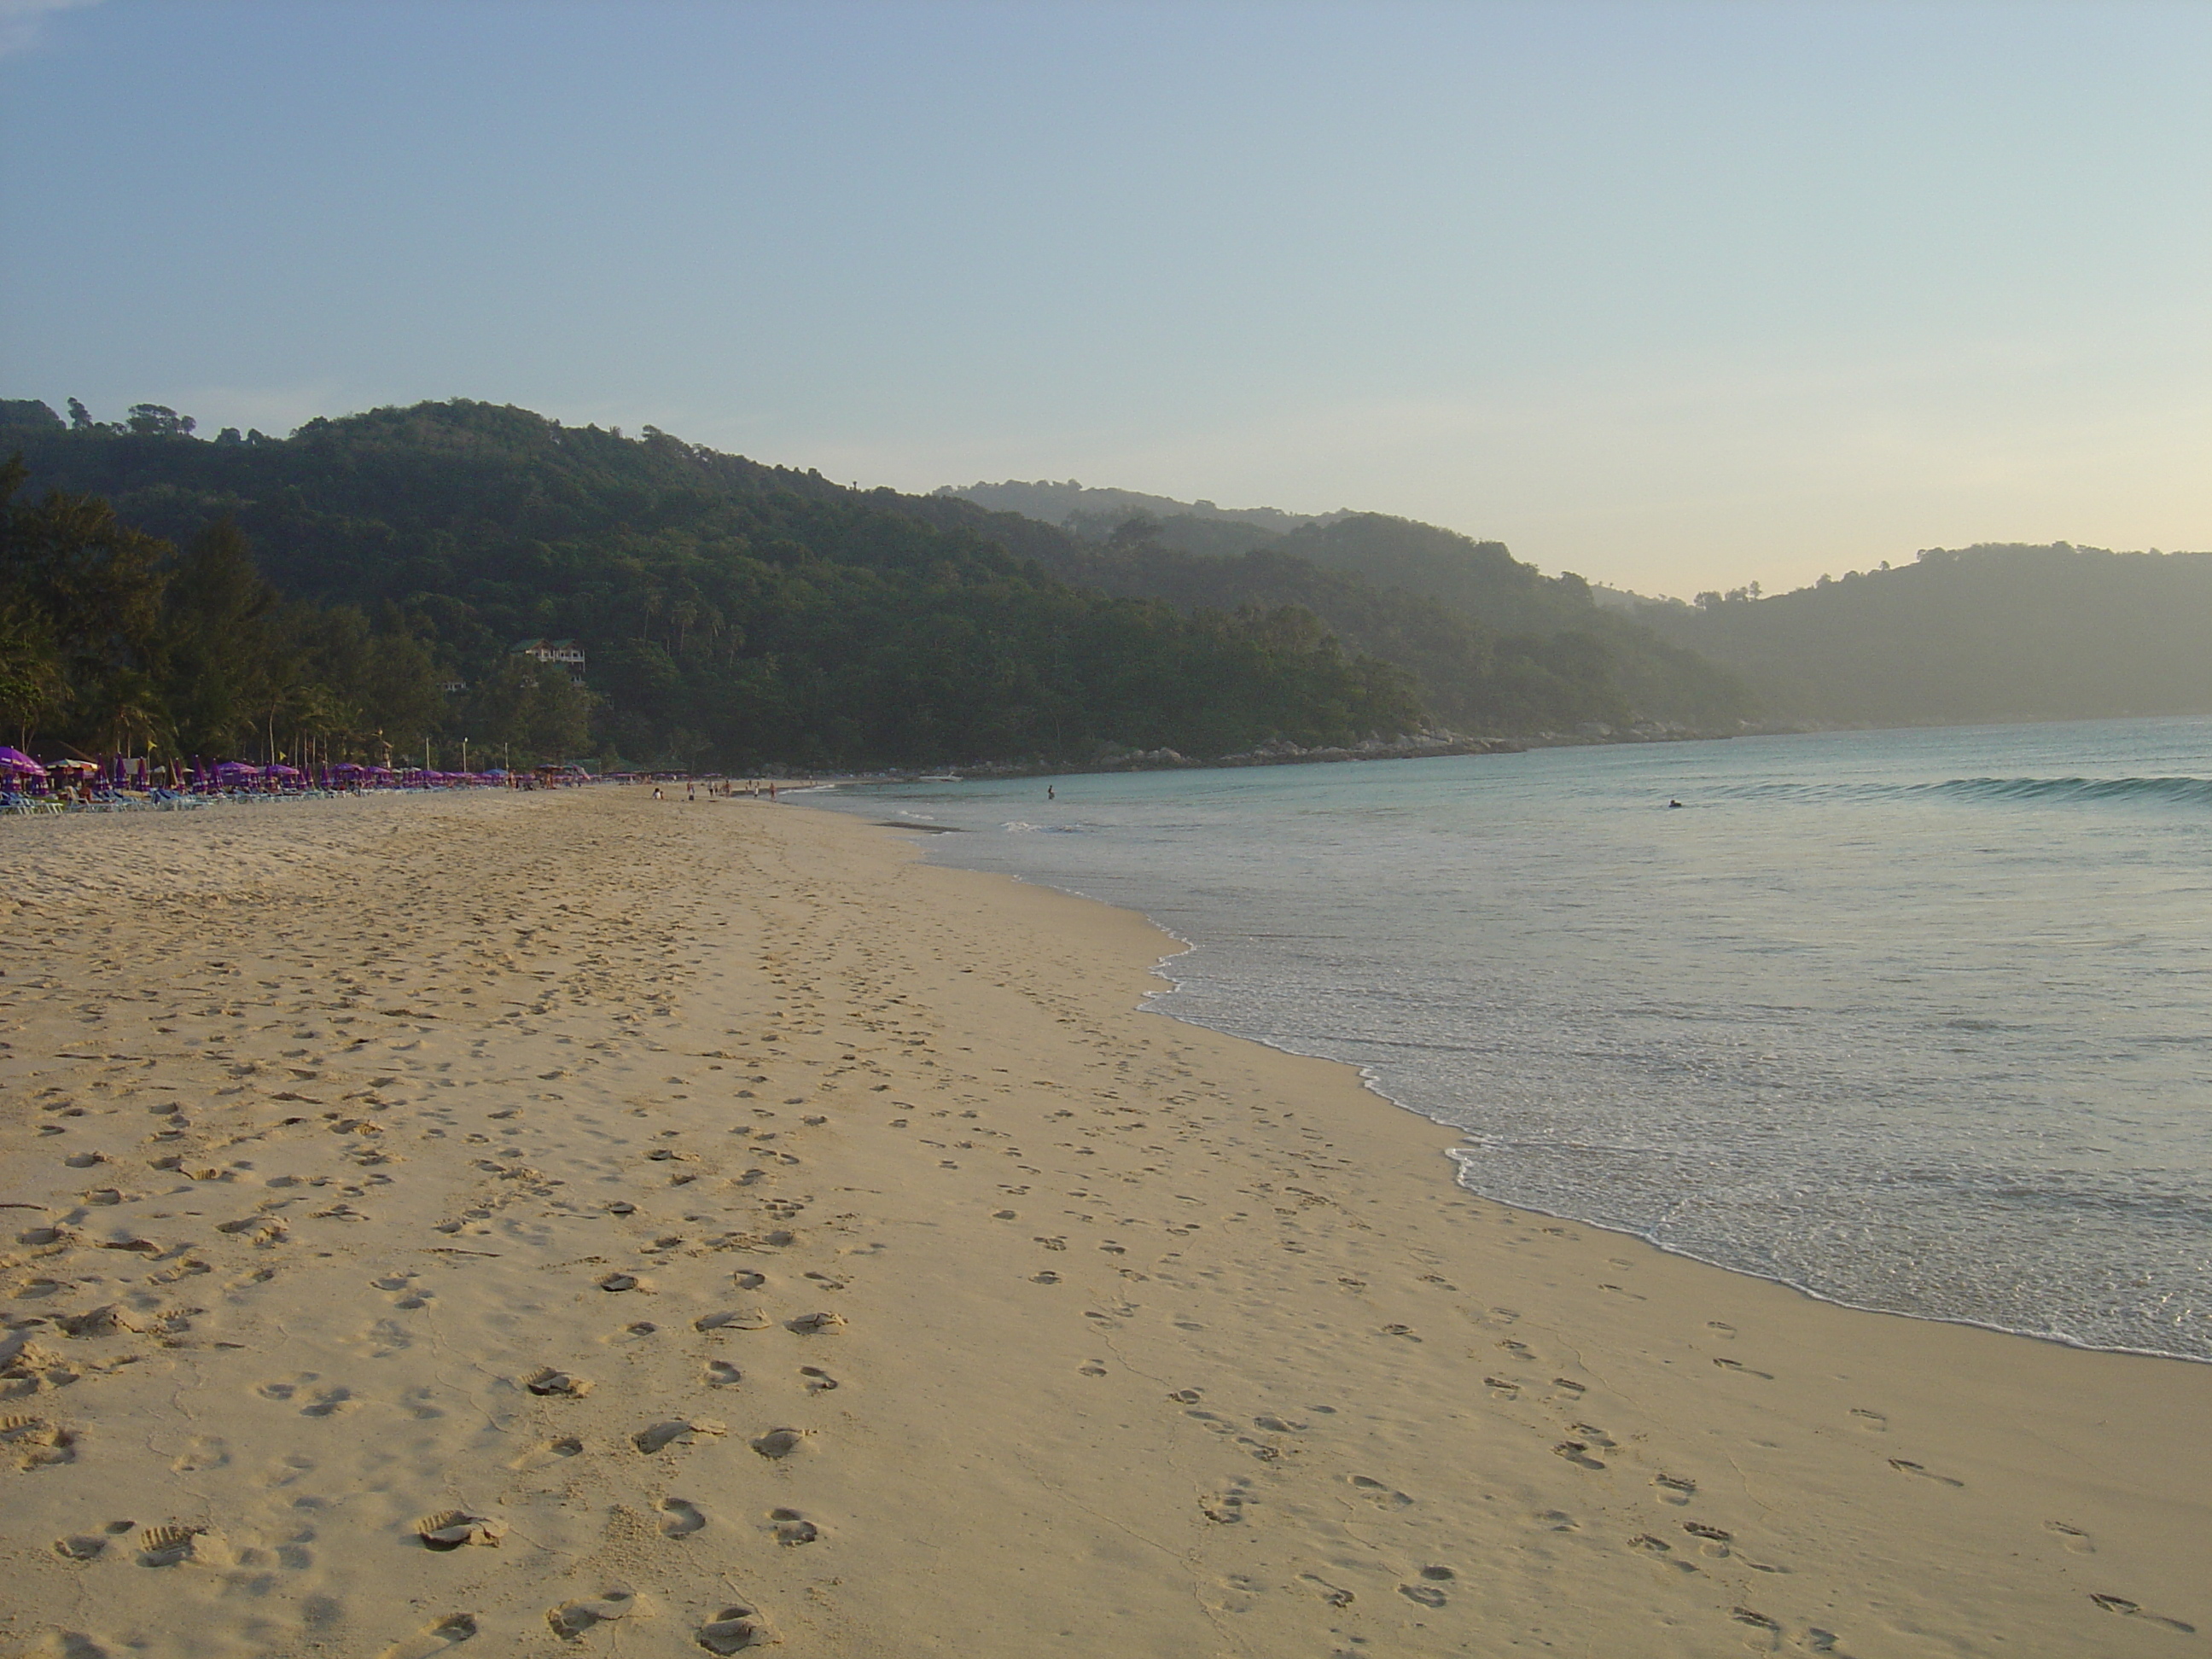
[545,1381]
[547,1452]
[720,1374]
[1225,1510]
[734,1319]
[450,1529]
[385,1337]
[2073,1538]
[1376,1492]
[658,1436]
[778,1444]
[286,1471]
[1335,1595]
[1741,1369]
[2128,1609]
[80,1547]
[330,1402]
[200,1452]
[427,1643]
[572,1618]
[1758,1621]
[36,1442]
[731,1630]
[680,1519]
[1578,1452]
[817,1380]
[791,1528]
[164,1546]
[1905,1466]
[1872,1422]
[1675,1488]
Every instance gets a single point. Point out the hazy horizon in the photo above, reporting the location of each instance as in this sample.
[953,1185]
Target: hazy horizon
[1679,296]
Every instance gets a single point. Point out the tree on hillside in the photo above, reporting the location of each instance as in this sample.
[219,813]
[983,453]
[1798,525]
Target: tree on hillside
[86,588]
[532,706]
[222,667]
[31,682]
[158,421]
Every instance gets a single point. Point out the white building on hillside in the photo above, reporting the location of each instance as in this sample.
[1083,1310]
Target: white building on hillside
[566,653]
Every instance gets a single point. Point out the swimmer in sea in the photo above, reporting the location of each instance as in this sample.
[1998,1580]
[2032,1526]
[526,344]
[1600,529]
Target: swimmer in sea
[1672,804]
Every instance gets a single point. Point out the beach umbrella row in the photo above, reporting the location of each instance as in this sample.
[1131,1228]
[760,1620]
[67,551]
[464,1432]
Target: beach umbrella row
[15,766]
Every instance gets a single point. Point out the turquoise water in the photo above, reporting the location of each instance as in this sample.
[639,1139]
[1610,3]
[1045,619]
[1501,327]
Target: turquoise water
[1913,1020]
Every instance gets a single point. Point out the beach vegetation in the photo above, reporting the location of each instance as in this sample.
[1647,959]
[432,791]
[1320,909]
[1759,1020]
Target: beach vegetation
[1493,644]
[112,641]
[732,614]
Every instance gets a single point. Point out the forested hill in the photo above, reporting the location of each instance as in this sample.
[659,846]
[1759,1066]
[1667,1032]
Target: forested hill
[732,613]
[1496,645]
[1073,504]
[1986,632]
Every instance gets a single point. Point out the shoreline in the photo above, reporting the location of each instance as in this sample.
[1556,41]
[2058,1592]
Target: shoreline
[1139,1336]
[1370,1081]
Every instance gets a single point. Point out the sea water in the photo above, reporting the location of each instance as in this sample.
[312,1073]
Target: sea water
[1919,1021]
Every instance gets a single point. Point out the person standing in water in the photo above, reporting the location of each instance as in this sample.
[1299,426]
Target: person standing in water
[1048,795]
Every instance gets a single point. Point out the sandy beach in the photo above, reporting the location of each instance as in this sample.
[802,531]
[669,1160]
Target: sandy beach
[582,1224]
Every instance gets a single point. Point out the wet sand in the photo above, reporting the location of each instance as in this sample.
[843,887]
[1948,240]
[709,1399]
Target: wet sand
[579,1223]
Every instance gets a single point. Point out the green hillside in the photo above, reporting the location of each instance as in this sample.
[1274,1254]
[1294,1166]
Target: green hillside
[1986,632]
[732,613]
[1494,645]
[1095,511]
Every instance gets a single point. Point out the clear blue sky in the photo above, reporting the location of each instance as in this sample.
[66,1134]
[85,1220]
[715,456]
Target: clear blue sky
[1677,295]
